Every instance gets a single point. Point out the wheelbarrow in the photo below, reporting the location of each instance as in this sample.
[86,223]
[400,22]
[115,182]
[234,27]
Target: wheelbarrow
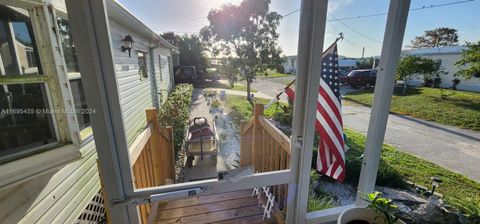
[202,140]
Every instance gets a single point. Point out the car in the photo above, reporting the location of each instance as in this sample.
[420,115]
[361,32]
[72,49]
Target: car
[343,76]
[365,78]
[185,74]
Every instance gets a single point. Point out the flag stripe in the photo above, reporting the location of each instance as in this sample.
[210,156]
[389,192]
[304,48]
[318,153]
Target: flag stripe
[323,110]
[332,142]
[335,110]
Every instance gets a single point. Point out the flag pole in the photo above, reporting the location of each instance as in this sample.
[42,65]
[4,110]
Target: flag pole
[293,81]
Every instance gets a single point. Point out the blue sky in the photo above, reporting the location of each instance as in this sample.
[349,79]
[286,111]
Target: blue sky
[188,16]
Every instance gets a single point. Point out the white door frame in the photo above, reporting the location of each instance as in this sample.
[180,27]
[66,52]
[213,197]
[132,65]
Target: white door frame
[313,18]
[91,31]
[384,85]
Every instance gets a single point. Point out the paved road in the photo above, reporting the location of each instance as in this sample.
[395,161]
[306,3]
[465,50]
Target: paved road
[447,146]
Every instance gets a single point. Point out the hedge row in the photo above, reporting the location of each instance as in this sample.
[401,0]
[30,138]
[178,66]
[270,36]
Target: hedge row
[176,112]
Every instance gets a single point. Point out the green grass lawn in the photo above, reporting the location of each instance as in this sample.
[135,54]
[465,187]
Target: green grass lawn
[240,108]
[236,86]
[273,74]
[450,107]
[396,165]
[239,87]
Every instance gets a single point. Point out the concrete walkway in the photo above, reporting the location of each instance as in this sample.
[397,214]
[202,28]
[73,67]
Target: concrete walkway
[450,147]
[206,168]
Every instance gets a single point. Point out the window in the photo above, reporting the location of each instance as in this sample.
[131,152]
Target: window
[74,77]
[142,64]
[26,122]
[24,119]
[17,44]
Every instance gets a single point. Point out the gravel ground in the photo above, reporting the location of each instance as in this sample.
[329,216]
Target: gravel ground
[229,136]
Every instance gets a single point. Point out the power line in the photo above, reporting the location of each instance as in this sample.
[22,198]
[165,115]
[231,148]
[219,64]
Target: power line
[351,42]
[350,28]
[385,13]
[290,13]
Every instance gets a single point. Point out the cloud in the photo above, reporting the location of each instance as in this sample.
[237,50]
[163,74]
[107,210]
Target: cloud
[333,5]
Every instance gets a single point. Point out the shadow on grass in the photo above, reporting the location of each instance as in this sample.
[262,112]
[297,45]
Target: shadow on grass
[216,85]
[470,104]
[397,91]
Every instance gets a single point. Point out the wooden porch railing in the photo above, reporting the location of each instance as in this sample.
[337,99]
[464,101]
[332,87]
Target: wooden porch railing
[152,158]
[266,148]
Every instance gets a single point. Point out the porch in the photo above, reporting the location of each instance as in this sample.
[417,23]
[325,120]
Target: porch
[230,207]
[264,148]
[136,180]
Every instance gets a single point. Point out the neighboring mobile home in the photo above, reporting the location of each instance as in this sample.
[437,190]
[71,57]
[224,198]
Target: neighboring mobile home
[48,171]
[447,56]
[344,64]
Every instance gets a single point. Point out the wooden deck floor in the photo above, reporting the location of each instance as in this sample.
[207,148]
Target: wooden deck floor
[231,207]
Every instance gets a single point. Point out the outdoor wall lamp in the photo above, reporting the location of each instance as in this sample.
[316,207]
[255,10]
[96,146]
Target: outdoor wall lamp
[127,44]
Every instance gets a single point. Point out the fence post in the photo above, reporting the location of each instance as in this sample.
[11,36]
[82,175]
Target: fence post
[157,155]
[257,138]
[243,147]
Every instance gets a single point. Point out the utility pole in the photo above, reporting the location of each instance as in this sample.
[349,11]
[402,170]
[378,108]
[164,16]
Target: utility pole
[363,52]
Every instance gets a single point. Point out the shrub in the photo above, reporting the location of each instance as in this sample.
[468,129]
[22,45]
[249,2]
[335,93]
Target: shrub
[176,112]
[284,114]
[215,104]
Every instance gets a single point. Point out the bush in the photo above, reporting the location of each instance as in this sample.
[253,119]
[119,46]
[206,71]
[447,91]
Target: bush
[280,69]
[284,114]
[176,112]
[215,104]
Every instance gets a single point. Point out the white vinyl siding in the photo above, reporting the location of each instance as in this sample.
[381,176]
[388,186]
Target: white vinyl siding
[55,197]
[135,91]
[61,195]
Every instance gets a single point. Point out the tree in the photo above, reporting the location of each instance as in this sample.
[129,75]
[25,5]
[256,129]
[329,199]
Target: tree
[469,65]
[442,36]
[229,69]
[411,66]
[247,32]
[192,50]
[366,63]
[171,38]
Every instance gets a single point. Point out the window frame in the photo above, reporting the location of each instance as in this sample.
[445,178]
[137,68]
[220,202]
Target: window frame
[141,71]
[53,73]
[86,133]
[41,78]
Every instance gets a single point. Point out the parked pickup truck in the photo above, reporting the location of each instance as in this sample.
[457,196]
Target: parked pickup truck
[186,74]
[365,78]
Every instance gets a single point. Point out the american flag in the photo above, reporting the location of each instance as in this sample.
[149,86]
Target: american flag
[329,124]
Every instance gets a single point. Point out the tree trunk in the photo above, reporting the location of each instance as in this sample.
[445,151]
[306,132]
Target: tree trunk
[404,87]
[249,95]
